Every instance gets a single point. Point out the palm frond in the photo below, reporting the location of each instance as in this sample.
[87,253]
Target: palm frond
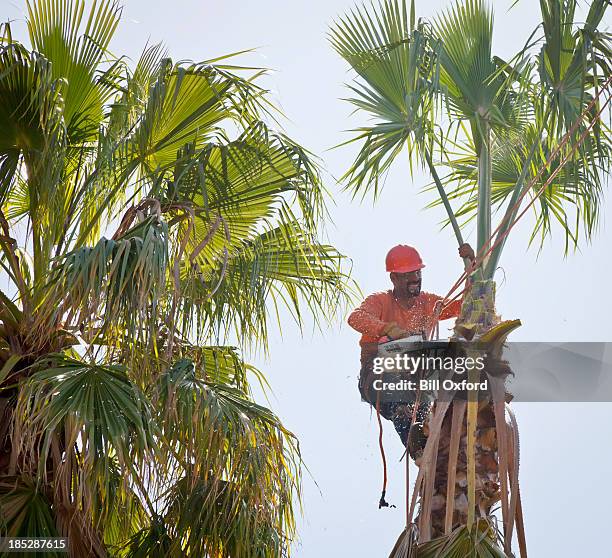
[470,76]
[281,267]
[480,542]
[118,280]
[77,48]
[185,105]
[573,63]
[24,510]
[94,411]
[572,199]
[396,67]
[236,467]
[30,115]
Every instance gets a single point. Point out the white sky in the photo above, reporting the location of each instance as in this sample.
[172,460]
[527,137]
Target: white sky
[566,449]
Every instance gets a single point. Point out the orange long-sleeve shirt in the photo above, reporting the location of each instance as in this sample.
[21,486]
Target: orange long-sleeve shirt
[379,309]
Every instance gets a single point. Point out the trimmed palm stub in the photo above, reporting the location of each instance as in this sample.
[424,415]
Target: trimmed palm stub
[468,475]
[477,311]
[486,462]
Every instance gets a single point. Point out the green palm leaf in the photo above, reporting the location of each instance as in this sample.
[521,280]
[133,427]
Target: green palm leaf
[396,64]
[96,412]
[118,280]
[571,200]
[72,388]
[25,511]
[76,53]
[251,460]
[281,267]
[31,103]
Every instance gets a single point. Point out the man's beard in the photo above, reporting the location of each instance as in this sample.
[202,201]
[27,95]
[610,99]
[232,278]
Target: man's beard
[413,289]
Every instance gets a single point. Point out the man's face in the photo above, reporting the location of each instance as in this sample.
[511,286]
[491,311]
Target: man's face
[407,284]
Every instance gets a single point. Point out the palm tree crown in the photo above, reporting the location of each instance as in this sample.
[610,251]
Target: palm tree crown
[150,220]
[486,125]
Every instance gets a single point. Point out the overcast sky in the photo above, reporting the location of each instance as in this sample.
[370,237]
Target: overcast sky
[566,450]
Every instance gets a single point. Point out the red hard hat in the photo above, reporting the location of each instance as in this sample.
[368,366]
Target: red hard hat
[403,259]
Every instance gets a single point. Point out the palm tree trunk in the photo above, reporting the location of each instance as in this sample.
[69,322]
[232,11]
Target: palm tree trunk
[485,170]
[467,481]
[451,478]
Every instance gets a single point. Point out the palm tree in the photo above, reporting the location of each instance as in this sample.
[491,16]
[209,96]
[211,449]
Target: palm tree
[152,226]
[497,137]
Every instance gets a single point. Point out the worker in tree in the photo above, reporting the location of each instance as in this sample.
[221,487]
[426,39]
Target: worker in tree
[394,314]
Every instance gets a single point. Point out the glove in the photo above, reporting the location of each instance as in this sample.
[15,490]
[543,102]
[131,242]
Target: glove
[394,331]
[466,251]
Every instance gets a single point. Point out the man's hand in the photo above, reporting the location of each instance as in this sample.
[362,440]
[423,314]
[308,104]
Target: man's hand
[466,251]
[394,331]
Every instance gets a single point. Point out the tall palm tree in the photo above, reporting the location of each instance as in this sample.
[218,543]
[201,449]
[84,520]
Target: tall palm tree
[152,226]
[493,134]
